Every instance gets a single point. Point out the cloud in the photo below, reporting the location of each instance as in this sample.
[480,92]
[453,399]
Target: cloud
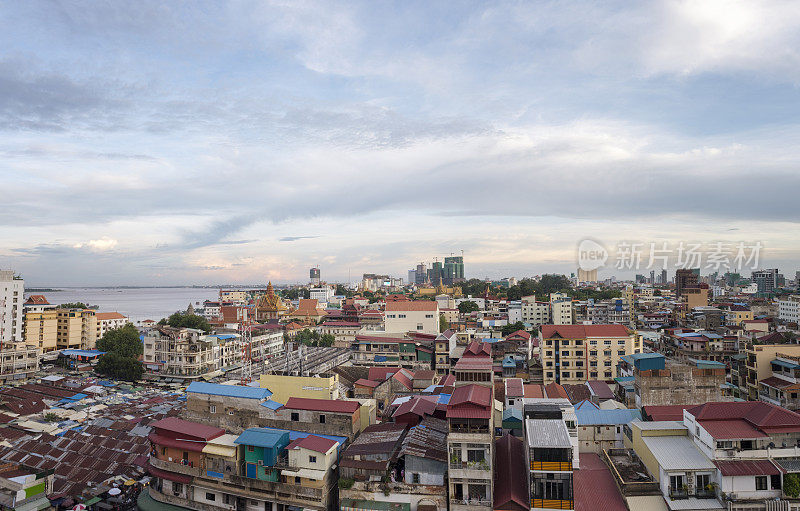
[100,245]
[296,238]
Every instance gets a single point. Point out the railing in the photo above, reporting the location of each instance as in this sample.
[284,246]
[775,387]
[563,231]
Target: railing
[471,465]
[472,502]
[179,467]
[552,503]
[678,494]
[552,466]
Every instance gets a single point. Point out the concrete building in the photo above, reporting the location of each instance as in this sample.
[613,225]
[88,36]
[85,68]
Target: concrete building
[470,444]
[41,323]
[77,329]
[314,387]
[109,321]
[765,280]
[789,309]
[187,353]
[661,382]
[550,460]
[343,332]
[412,316]
[577,353]
[12,289]
[685,277]
[561,310]
[759,364]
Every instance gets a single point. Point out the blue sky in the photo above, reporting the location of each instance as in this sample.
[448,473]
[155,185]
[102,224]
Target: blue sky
[171,142]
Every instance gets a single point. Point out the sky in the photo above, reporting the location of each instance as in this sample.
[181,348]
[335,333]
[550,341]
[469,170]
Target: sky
[168,143]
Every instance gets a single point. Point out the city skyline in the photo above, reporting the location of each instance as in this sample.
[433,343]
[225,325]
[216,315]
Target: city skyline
[146,144]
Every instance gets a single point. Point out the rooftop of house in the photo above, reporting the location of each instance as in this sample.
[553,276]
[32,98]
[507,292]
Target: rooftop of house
[262,437]
[322,405]
[584,331]
[182,427]
[217,389]
[411,306]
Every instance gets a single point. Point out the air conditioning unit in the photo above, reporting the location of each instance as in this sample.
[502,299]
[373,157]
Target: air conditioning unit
[260,463]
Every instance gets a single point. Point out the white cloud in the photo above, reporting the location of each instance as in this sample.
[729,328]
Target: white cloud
[100,245]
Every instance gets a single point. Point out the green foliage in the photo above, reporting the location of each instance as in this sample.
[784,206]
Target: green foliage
[791,485]
[76,305]
[184,320]
[656,292]
[510,329]
[548,283]
[345,483]
[50,417]
[120,367]
[604,294]
[467,306]
[295,293]
[326,340]
[343,291]
[124,341]
[443,325]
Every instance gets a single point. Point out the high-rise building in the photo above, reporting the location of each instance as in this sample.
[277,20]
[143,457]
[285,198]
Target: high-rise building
[435,274]
[453,269]
[587,275]
[12,288]
[685,277]
[652,277]
[664,277]
[314,275]
[412,277]
[421,275]
[766,280]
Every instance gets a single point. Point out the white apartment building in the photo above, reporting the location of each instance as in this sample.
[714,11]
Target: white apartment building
[109,321]
[186,352]
[533,312]
[323,295]
[789,309]
[12,289]
[412,316]
[561,310]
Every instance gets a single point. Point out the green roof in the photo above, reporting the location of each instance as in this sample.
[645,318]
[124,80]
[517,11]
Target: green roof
[148,503]
[370,505]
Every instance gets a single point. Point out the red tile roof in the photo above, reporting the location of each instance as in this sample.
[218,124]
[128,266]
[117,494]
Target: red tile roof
[665,412]
[519,334]
[555,391]
[594,484]
[478,349]
[322,405]
[36,300]
[381,373]
[470,401]
[748,468]
[533,390]
[180,426]
[510,475]
[109,315]
[415,306]
[366,383]
[514,387]
[475,363]
[764,417]
[584,331]
[448,380]
[730,429]
[342,323]
[313,443]
[418,405]
[405,377]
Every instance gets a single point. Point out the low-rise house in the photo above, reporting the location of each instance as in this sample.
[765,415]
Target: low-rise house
[550,458]
[600,430]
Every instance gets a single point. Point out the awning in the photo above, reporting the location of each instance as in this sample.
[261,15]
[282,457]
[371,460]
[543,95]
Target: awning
[226,451]
[317,475]
[186,445]
[171,476]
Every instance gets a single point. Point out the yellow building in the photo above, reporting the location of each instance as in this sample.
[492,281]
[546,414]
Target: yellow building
[284,387]
[41,329]
[77,329]
[759,363]
[641,431]
[576,353]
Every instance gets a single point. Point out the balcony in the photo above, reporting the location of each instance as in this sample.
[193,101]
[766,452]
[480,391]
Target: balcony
[176,467]
[552,466]
[469,465]
[552,503]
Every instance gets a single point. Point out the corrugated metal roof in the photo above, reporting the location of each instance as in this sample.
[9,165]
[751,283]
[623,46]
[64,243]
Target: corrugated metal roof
[677,453]
[216,389]
[262,437]
[587,415]
[547,433]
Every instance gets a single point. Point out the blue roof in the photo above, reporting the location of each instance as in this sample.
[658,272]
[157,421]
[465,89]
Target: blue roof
[261,437]
[512,414]
[224,337]
[706,364]
[491,340]
[639,356]
[587,415]
[105,383]
[272,405]
[294,435]
[217,389]
[431,388]
[444,399]
[788,365]
[83,353]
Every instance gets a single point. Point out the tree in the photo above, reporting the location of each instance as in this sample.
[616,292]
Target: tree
[327,340]
[791,485]
[76,305]
[124,341]
[120,367]
[184,320]
[343,291]
[467,306]
[510,329]
[443,324]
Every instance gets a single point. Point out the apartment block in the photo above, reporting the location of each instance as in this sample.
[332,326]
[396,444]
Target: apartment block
[577,353]
[12,289]
[77,329]
[412,316]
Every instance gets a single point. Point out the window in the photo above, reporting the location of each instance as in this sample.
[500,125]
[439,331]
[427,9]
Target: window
[476,455]
[607,343]
[703,480]
[429,316]
[579,353]
[177,487]
[163,451]
[401,316]
[593,343]
[593,374]
[676,482]
[579,374]
[297,480]
[295,416]
[593,363]
[312,459]
[621,352]
[607,353]
[565,374]
[420,326]
[510,402]
[250,448]
[761,482]
[212,409]
[415,478]
[550,374]
[565,363]
[322,419]
[211,496]
[608,374]
[607,363]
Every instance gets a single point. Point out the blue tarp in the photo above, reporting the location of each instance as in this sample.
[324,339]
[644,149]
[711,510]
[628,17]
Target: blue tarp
[216,389]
